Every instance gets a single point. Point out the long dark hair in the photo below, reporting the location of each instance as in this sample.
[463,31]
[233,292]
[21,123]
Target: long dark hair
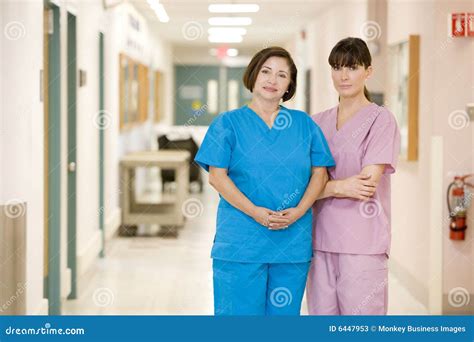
[351,52]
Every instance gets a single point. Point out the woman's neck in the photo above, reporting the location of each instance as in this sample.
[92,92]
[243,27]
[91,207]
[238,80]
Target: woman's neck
[350,105]
[264,107]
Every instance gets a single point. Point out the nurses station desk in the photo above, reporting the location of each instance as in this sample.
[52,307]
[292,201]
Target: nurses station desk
[168,210]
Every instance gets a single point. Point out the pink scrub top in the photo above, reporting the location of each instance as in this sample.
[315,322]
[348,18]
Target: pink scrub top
[345,225]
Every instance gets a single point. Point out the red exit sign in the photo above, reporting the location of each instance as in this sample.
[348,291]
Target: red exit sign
[461,25]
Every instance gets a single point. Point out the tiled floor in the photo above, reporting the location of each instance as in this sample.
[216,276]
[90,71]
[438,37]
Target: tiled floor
[173,276]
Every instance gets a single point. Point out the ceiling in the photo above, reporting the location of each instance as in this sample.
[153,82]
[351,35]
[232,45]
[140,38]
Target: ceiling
[274,23]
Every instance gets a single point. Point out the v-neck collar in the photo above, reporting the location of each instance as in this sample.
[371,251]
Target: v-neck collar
[262,122]
[351,119]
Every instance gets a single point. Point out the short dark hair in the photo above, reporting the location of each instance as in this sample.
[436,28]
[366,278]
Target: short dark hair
[251,73]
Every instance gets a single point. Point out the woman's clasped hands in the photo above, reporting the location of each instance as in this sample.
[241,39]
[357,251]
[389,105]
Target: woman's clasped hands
[276,220]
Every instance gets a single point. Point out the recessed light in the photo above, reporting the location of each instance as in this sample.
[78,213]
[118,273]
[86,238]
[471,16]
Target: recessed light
[232,52]
[225,38]
[227,30]
[230,21]
[233,8]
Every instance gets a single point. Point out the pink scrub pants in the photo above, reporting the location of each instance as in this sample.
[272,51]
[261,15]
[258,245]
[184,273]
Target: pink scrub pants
[347,284]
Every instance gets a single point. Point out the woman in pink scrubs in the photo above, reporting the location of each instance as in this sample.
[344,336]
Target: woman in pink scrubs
[351,222]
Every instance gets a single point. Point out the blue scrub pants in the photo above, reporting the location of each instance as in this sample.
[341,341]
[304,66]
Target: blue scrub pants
[258,289]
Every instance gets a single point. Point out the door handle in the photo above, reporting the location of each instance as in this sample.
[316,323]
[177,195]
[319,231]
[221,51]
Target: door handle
[71,167]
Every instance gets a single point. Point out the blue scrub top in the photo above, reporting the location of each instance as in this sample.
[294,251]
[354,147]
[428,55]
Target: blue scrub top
[272,168]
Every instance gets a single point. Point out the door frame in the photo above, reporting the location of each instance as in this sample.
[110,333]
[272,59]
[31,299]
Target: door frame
[52,157]
[72,151]
[103,126]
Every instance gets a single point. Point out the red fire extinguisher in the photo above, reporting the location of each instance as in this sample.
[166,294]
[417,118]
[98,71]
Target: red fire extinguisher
[459,199]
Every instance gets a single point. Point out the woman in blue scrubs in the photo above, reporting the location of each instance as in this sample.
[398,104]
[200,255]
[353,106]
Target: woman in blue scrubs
[268,164]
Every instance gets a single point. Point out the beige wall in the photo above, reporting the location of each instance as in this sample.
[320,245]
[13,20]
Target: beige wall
[21,131]
[446,85]
[337,22]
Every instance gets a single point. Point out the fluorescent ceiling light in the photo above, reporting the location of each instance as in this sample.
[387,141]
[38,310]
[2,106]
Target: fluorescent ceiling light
[230,21]
[232,52]
[227,30]
[225,38]
[159,10]
[233,8]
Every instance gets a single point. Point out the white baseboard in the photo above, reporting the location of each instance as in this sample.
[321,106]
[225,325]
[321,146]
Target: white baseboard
[66,281]
[409,281]
[42,308]
[89,254]
[112,223]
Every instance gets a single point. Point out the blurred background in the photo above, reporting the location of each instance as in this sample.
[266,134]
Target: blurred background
[104,104]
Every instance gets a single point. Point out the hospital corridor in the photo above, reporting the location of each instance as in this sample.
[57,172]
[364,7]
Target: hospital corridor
[117,115]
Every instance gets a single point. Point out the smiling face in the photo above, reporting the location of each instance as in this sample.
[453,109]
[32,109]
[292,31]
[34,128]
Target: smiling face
[273,79]
[349,81]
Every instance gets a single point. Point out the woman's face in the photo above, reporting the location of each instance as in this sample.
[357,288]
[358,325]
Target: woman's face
[350,81]
[273,79]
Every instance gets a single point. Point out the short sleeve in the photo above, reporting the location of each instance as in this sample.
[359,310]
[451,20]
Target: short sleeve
[383,143]
[216,148]
[320,152]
